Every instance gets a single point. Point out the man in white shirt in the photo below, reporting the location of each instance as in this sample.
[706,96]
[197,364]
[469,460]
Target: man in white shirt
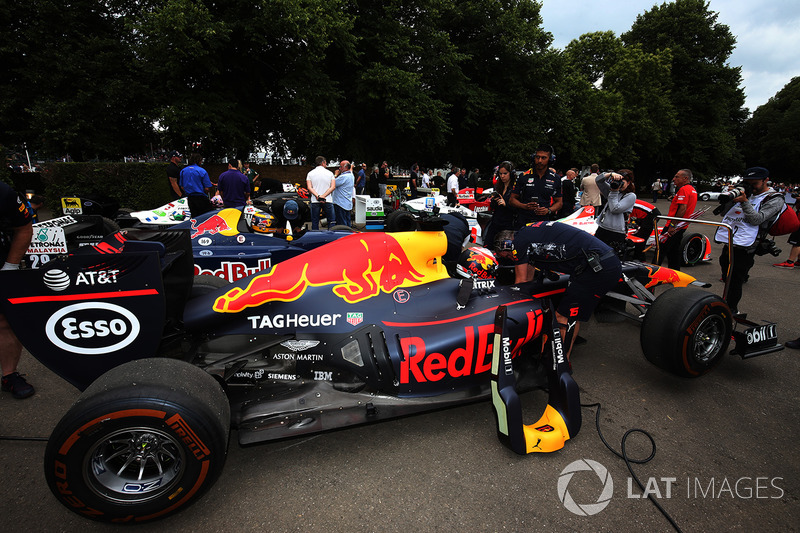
[452,189]
[321,183]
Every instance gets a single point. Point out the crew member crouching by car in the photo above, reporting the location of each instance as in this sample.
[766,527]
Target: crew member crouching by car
[750,213]
[592,265]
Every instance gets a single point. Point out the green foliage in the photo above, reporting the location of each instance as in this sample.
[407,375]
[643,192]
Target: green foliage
[705,92]
[771,137]
[138,186]
[470,82]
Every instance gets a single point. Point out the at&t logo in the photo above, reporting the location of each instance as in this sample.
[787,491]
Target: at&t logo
[585,509]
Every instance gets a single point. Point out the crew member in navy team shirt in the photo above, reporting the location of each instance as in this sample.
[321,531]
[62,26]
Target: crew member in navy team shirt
[16,230]
[537,193]
[592,265]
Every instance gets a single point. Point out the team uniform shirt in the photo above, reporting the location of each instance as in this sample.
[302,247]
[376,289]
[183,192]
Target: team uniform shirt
[559,247]
[13,214]
[194,180]
[686,195]
[530,186]
[234,188]
[320,178]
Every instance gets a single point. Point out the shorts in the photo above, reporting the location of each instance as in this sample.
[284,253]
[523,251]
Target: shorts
[794,238]
[587,289]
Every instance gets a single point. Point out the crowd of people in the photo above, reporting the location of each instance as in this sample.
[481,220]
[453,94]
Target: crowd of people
[524,207]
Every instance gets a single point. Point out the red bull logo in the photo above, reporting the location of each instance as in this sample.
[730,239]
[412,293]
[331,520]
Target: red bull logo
[210,226]
[358,266]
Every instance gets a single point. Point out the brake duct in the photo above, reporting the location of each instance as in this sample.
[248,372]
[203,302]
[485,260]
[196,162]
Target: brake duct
[561,419]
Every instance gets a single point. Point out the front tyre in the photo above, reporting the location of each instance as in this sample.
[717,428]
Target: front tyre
[693,248]
[142,442]
[686,331]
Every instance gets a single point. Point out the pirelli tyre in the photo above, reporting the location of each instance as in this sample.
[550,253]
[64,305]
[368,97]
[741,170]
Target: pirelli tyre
[693,248]
[686,331]
[206,283]
[142,442]
[401,220]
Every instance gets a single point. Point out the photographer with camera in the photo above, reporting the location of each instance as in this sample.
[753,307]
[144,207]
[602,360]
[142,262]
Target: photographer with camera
[504,217]
[619,190]
[750,210]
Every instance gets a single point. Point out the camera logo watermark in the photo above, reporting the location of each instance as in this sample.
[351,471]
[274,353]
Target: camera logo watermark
[697,488]
[586,509]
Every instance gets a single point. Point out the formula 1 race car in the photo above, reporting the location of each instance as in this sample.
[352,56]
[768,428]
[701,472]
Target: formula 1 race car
[364,328]
[230,243]
[695,247]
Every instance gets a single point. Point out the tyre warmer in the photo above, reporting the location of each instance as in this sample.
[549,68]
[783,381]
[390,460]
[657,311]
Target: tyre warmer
[562,416]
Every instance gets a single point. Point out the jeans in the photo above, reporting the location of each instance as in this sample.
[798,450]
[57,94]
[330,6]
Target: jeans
[342,216]
[328,207]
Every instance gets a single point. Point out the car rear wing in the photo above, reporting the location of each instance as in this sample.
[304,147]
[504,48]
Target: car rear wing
[85,313]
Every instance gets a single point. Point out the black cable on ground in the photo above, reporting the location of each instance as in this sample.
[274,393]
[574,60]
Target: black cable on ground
[629,461]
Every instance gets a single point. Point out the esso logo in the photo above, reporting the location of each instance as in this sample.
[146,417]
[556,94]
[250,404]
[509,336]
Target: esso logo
[92,328]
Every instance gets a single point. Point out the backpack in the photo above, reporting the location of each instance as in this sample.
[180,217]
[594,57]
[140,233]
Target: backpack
[787,221]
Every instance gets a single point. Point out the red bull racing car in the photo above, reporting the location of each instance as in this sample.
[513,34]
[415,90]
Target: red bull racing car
[367,327]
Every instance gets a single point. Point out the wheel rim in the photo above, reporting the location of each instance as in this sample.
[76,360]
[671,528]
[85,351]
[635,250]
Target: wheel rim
[134,465]
[694,251]
[709,338]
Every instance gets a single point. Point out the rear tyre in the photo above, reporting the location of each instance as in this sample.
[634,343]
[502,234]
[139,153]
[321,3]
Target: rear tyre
[142,442]
[109,226]
[401,220]
[693,248]
[705,197]
[342,227]
[205,283]
[686,331]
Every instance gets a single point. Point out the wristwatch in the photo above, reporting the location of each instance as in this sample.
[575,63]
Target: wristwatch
[549,211]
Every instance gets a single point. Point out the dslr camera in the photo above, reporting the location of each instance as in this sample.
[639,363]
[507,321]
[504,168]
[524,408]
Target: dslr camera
[745,188]
[768,247]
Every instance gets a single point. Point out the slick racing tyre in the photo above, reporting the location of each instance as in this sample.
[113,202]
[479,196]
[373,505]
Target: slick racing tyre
[142,442]
[401,220]
[693,248]
[205,283]
[342,227]
[686,331]
[109,226]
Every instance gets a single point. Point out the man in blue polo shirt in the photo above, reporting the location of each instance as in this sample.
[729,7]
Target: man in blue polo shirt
[196,184]
[537,193]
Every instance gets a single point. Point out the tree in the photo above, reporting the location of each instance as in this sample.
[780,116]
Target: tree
[71,84]
[619,109]
[705,92]
[771,137]
[231,75]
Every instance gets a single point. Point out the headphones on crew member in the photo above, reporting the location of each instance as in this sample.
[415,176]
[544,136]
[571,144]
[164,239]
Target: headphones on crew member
[544,148]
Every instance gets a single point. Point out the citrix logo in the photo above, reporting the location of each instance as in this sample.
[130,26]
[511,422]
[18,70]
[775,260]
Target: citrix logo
[586,509]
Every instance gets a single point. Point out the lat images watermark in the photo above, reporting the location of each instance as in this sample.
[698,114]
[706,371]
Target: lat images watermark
[742,488]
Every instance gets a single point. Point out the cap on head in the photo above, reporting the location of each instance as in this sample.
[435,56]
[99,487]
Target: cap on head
[756,173]
[174,153]
[290,209]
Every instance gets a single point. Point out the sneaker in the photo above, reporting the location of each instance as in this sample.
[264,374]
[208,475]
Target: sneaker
[17,386]
[793,344]
[785,264]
